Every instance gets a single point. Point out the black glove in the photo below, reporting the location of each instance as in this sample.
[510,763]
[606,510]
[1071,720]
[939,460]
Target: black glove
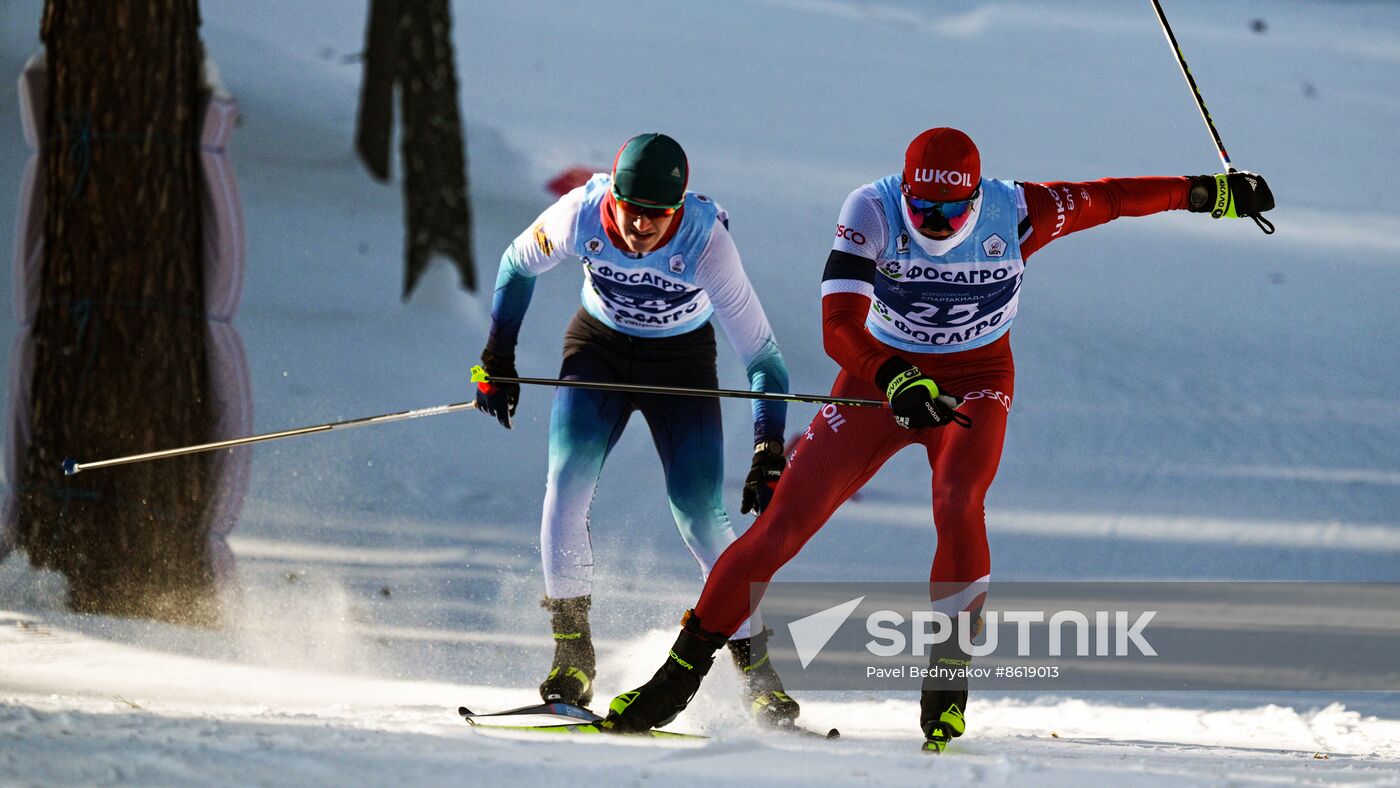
[498,399]
[915,398]
[768,466]
[1230,194]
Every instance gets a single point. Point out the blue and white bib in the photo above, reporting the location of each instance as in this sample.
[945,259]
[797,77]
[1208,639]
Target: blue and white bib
[654,295]
[958,300]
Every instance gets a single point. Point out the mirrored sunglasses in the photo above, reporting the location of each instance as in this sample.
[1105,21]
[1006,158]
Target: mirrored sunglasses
[948,210]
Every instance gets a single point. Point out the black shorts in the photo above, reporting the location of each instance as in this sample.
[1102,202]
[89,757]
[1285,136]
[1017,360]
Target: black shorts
[593,351]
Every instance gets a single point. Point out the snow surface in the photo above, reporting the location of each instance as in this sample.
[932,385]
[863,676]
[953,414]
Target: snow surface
[1194,400]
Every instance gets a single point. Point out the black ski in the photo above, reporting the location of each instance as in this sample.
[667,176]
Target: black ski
[566,712]
[568,718]
[557,718]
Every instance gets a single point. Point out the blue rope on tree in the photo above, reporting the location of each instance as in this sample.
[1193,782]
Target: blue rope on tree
[78,127]
[81,151]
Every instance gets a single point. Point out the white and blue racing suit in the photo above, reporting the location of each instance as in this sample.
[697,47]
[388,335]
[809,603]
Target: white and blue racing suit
[645,319]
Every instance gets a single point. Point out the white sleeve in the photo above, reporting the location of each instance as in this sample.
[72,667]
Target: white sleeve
[721,275]
[861,229]
[549,240]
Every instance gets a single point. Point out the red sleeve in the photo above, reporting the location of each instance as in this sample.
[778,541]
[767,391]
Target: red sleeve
[844,336]
[1058,209]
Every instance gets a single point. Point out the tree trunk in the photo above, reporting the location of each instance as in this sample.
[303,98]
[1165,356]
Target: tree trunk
[119,339]
[374,125]
[418,56]
[434,159]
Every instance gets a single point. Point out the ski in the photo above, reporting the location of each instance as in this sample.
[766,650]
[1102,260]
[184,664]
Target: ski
[554,712]
[568,718]
[587,728]
[798,730]
[557,718]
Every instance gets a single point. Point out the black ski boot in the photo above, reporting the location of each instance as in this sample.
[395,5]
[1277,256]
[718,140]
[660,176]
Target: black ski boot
[571,676]
[944,695]
[761,688]
[670,690]
[941,717]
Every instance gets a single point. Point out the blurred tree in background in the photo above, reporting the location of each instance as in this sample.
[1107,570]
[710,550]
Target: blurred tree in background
[119,339]
[408,44]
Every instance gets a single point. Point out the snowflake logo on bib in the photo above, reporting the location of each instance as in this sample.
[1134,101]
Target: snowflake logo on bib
[994,246]
[677,264]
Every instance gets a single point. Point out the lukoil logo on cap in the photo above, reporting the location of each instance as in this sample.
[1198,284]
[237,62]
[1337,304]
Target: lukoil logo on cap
[947,177]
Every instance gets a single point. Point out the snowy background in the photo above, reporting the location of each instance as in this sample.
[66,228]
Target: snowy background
[1195,400]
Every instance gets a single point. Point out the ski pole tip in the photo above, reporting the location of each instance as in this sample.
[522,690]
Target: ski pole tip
[479,374]
[70,466]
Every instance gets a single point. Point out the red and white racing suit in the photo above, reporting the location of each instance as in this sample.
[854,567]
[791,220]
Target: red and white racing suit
[843,446]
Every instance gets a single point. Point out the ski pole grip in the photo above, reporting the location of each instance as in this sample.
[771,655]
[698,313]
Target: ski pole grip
[479,374]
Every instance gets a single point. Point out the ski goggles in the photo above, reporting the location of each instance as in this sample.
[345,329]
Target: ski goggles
[638,209]
[948,210]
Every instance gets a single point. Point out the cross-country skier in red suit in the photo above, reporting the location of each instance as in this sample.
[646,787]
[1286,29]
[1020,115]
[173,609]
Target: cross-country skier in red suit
[919,292]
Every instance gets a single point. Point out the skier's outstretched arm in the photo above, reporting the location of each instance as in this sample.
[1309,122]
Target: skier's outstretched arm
[547,242]
[1056,209]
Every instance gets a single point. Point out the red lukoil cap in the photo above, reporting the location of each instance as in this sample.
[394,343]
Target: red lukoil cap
[942,164]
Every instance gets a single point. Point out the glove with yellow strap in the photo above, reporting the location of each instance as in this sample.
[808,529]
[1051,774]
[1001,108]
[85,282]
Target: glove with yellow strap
[915,399]
[498,399]
[1230,195]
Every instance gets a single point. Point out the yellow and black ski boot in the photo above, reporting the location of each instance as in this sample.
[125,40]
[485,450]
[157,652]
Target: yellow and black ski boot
[941,727]
[671,689]
[944,696]
[571,676]
[760,687]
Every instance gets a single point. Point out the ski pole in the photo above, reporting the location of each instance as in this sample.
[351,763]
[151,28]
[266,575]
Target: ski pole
[479,376]
[1264,224]
[71,466]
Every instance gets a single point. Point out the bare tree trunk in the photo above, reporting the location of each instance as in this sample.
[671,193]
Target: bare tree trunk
[119,338]
[374,126]
[418,56]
